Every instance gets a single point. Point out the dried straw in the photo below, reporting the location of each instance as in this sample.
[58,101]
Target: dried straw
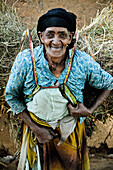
[99,36]
[11,30]
[10,35]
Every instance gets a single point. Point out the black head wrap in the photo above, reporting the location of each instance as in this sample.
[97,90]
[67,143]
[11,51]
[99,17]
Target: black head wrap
[57,17]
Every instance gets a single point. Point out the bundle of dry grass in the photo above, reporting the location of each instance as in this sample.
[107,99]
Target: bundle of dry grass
[97,38]
[11,30]
[10,34]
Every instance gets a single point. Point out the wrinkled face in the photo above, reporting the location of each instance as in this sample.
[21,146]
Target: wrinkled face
[55,40]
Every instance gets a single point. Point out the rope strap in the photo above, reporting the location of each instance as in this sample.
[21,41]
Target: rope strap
[66,93]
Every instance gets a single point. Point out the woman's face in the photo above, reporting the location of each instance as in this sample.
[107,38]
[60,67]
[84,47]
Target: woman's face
[55,40]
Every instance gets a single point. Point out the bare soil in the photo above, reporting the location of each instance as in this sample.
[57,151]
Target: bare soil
[96,163]
[101,162]
[31,10]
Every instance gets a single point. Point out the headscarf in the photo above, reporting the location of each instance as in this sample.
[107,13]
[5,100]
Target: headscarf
[57,17]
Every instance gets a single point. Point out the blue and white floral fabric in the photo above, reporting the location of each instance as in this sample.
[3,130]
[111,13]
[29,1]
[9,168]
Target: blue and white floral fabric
[21,81]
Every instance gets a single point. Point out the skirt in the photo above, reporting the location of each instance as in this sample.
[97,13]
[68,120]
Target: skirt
[72,154]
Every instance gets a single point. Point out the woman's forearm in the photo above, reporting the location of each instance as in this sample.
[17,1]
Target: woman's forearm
[100,99]
[25,117]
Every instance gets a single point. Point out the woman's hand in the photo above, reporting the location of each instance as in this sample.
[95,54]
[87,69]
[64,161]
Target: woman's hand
[43,134]
[82,111]
[79,111]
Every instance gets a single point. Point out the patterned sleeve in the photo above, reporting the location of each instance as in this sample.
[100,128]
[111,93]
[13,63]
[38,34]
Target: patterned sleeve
[98,77]
[14,88]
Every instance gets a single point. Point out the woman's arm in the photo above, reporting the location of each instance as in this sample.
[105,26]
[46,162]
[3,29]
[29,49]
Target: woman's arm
[82,111]
[14,88]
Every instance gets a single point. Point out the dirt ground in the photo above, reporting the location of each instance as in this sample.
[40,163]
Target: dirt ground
[29,11]
[96,164]
[101,162]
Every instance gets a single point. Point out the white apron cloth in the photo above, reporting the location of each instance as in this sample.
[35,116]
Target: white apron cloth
[50,106]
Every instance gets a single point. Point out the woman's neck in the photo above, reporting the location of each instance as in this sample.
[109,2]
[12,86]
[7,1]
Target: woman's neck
[56,65]
[57,70]
[56,61]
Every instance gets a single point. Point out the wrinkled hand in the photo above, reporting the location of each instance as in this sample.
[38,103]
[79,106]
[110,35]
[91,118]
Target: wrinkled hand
[79,111]
[44,134]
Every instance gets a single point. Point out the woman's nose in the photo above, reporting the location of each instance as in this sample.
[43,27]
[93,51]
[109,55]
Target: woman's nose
[56,40]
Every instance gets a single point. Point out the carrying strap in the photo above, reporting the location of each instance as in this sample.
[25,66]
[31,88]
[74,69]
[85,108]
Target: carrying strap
[33,93]
[69,67]
[71,61]
[66,93]
[33,59]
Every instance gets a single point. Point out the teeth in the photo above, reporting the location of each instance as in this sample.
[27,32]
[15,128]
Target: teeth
[56,47]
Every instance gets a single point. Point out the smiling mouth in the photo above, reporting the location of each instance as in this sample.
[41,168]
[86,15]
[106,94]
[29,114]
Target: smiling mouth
[56,48]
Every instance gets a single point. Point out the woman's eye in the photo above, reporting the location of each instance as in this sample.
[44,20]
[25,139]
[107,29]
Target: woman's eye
[63,35]
[49,35]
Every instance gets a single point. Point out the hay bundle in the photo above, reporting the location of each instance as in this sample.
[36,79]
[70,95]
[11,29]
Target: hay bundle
[11,30]
[97,38]
[10,35]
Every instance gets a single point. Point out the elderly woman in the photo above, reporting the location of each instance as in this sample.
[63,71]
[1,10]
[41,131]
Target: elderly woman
[47,94]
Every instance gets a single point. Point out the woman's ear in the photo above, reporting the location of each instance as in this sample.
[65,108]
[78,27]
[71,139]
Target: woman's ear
[71,34]
[40,35]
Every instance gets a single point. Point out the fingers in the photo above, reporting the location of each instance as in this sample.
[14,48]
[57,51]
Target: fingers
[47,136]
[45,139]
[71,107]
[53,133]
[79,111]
